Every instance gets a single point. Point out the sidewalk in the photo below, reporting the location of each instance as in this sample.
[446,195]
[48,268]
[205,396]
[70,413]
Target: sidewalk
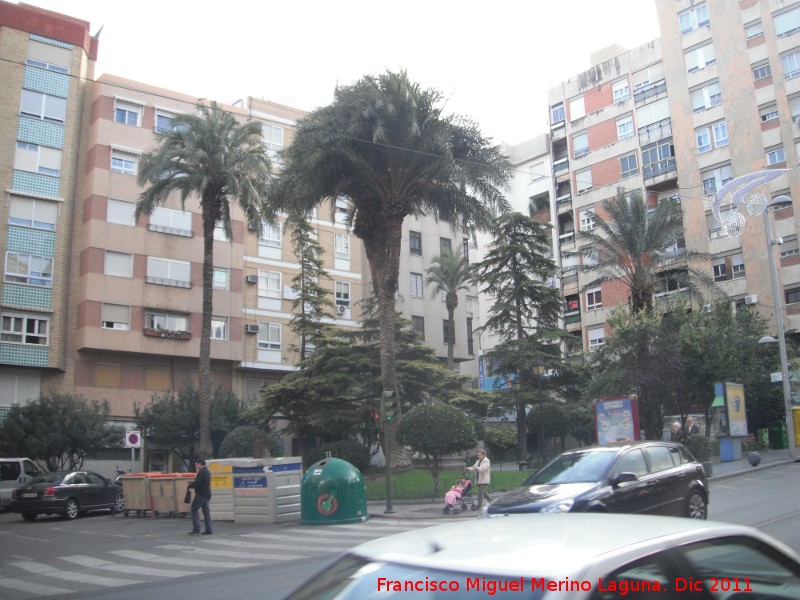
[409,509]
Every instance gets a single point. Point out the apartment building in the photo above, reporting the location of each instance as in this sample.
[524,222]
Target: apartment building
[47,70]
[715,98]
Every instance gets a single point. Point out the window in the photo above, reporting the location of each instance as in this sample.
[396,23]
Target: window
[588,221]
[125,163]
[269,336]
[118,264]
[761,71]
[628,165]
[715,179]
[471,305]
[621,90]
[597,337]
[24,329]
[166,321]
[219,328]
[166,271]
[37,159]
[273,139]
[753,30]
[269,284]
[594,299]
[115,316]
[220,277]
[737,266]
[718,132]
[793,296]
[127,113]
[30,269]
[624,128]
[121,212]
[416,285]
[341,245]
[768,113]
[415,243]
[583,181]
[557,114]
[580,144]
[342,294]
[699,58]
[694,18]
[470,339]
[341,210]
[169,220]
[790,248]
[786,23]
[658,158]
[776,156]
[719,270]
[706,97]
[448,333]
[270,235]
[576,109]
[47,66]
[157,379]
[108,375]
[790,62]
[418,325]
[37,214]
[164,122]
[44,107]
[445,245]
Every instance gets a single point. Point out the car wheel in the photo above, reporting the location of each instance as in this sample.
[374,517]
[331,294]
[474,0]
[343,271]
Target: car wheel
[71,509]
[119,504]
[696,506]
[29,516]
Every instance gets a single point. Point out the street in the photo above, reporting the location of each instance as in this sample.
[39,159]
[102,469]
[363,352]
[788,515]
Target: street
[125,558]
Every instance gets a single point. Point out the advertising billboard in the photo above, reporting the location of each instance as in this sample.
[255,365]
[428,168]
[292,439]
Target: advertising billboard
[616,420]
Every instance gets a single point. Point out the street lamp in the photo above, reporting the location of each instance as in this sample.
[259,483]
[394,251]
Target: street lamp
[538,370]
[776,298]
[522,435]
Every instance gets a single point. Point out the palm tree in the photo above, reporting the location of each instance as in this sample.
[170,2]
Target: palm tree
[385,148]
[212,156]
[638,247]
[449,274]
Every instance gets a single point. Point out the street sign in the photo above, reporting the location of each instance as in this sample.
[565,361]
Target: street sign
[133,439]
[776,377]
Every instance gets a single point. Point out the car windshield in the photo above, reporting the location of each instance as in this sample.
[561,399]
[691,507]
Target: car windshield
[49,478]
[355,578]
[575,467]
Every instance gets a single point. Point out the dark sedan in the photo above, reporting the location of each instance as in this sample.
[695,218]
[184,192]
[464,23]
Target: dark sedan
[658,478]
[68,493]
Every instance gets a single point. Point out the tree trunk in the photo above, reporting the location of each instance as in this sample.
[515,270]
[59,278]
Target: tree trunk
[209,220]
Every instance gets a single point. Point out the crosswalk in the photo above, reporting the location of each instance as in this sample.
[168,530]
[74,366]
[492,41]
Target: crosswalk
[87,572]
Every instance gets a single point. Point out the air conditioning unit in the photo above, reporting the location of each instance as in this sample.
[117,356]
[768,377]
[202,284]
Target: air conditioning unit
[753,299]
[341,309]
[251,328]
[251,279]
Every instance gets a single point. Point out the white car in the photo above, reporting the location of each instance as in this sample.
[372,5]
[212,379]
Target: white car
[565,556]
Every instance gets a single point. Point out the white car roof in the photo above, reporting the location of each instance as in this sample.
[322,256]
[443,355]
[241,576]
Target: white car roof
[550,545]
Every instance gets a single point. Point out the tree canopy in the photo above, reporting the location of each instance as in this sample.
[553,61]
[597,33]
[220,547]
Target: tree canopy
[449,274]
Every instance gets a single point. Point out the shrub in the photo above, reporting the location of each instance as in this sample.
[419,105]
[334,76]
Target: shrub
[353,452]
[500,440]
[699,446]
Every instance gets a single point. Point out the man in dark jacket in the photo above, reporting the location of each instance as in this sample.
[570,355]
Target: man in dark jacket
[202,497]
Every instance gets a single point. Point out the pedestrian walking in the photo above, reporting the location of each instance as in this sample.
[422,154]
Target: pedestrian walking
[483,468]
[677,434]
[202,497]
[691,426]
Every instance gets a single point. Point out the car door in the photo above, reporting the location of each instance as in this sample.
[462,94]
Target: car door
[632,496]
[667,477]
[102,494]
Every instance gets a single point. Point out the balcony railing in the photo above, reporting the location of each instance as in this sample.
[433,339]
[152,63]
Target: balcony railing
[655,131]
[659,168]
[171,282]
[168,334]
[561,165]
[648,91]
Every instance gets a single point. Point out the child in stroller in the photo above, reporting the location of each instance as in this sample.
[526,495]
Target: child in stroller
[460,493]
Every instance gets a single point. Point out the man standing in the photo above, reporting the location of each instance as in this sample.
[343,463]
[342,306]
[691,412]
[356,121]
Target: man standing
[482,467]
[202,497]
[691,426]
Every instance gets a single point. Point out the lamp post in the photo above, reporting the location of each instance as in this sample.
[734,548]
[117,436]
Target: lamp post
[776,298]
[522,435]
[538,370]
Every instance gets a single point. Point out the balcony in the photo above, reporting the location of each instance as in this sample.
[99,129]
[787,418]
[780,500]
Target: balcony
[167,334]
[640,94]
[561,164]
[655,131]
[661,167]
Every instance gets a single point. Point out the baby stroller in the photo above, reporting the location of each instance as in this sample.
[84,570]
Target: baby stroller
[459,497]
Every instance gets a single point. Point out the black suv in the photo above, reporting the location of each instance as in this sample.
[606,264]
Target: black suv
[657,478]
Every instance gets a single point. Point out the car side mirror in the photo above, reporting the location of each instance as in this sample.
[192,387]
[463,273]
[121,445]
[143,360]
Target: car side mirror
[624,477]
[108,481]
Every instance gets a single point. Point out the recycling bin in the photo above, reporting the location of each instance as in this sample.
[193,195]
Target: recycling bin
[796,423]
[136,489]
[162,494]
[333,492]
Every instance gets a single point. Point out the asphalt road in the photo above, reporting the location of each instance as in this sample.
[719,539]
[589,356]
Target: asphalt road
[130,558]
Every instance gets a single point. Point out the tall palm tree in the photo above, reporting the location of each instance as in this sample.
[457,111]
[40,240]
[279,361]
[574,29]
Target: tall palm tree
[637,247]
[449,274]
[213,156]
[385,147]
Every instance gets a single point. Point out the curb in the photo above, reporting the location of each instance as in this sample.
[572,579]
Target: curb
[760,467]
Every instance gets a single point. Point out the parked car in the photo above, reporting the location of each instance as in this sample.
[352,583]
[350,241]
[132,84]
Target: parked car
[659,478]
[565,556]
[68,493]
[15,472]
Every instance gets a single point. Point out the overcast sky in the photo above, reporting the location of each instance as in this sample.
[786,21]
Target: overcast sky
[494,61]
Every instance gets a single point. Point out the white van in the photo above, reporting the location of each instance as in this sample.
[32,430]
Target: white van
[14,472]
